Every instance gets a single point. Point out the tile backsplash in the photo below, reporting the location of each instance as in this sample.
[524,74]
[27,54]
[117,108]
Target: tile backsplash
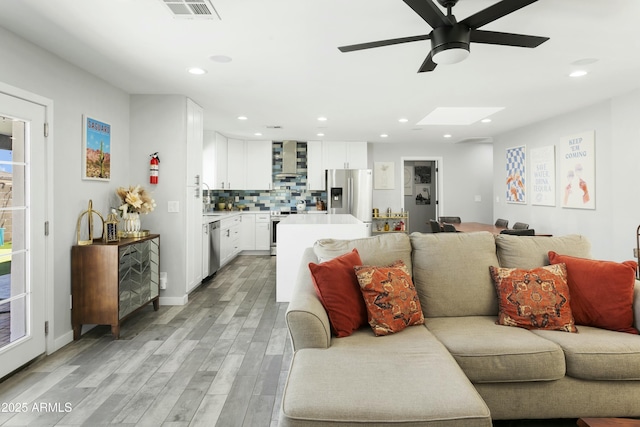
[286,192]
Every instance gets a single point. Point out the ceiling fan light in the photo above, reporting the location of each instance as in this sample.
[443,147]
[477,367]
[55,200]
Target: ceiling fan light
[450,53]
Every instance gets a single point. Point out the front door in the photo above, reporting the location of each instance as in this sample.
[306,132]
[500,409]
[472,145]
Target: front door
[22,241]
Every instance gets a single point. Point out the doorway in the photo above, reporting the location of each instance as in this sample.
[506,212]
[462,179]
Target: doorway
[22,240]
[421,193]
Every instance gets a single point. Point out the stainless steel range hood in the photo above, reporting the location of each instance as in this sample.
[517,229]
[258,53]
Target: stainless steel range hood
[289,160]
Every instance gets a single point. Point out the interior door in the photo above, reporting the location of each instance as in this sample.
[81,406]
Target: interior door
[22,240]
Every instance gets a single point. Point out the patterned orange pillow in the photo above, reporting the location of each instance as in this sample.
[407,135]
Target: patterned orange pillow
[534,299]
[390,296]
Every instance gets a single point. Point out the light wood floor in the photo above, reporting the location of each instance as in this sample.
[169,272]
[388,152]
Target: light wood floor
[220,360]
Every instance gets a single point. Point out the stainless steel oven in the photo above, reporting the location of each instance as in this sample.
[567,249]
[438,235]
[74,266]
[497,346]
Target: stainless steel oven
[276,217]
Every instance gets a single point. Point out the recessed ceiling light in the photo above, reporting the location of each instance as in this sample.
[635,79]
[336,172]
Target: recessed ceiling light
[197,71]
[257,134]
[383,135]
[223,59]
[322,119]
[403,120]
[578,73]
[242,117]
[320,134]
[486,120]
[447,135]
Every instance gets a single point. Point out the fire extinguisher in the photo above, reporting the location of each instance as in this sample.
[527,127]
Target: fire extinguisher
[154,166]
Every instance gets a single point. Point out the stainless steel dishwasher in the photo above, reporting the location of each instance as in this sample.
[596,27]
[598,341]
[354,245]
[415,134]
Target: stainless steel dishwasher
[214,247]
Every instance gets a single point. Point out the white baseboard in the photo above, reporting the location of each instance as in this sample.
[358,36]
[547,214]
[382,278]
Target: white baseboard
[174,300]
[61,341]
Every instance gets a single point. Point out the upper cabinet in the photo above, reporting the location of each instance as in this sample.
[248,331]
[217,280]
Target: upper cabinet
[315,171]
[344,155]
[323,155]
[234,164]
[258,163]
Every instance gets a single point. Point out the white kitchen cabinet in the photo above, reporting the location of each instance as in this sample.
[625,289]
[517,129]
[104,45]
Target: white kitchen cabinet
[209,159]
[229,239]
[263,236]
[356,155]
[193,205]
[220,180]
[323,155]
[315,171]
[258,165]
[205,249]
[247,232]
[236,172]
[254,231]
[344,155]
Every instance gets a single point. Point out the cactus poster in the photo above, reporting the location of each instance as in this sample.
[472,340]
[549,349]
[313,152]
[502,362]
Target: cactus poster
[97,150]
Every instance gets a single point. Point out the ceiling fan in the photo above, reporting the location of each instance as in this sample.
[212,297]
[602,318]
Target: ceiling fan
[450,39]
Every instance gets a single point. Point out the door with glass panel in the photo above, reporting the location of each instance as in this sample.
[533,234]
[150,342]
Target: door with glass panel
[22,232]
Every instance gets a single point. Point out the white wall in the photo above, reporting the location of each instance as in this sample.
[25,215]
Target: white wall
[158,123]
[466,171]
[74,92]
[611,227]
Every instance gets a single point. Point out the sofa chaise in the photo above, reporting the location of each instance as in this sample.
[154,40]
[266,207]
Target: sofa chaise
[459,368]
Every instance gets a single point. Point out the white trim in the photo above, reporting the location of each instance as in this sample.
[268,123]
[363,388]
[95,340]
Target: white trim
[60,342]
[50,341]
[439,181]
[174,300]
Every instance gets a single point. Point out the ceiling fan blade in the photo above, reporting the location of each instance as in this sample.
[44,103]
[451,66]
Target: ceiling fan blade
[506,39]
[429,12]
[381,43]
[494,12]
[428,64]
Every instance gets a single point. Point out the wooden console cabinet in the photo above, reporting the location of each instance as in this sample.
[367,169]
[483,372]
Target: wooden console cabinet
[111,281]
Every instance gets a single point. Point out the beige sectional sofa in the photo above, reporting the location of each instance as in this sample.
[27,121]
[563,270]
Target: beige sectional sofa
[460,368]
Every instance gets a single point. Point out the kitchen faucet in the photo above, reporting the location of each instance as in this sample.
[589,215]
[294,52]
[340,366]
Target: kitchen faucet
[206,199]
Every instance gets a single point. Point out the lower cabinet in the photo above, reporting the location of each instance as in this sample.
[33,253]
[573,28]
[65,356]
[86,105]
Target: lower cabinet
[229,239]
[111,281]
[255,234]
[263,236]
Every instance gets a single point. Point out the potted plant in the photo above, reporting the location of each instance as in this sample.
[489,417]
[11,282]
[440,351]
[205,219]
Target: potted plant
[222,203]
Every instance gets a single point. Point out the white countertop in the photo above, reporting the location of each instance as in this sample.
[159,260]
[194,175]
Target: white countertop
[298,232]
[218,216]
[304,219]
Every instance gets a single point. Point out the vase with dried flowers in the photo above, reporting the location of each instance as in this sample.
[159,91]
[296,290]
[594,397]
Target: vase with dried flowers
[134,201]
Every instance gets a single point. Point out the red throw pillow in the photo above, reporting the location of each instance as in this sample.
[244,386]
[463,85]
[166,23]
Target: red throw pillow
[390,296]
[534,299]
[601,291]
[338,289]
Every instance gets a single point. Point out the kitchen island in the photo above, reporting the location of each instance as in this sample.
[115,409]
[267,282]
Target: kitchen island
[297,232]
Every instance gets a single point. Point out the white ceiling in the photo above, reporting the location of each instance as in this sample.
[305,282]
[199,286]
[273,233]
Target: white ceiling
[286,69]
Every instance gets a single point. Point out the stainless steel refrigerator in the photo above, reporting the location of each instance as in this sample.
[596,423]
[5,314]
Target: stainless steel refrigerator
[350,191]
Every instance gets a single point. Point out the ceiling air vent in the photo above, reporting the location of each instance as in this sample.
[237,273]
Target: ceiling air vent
[192,9]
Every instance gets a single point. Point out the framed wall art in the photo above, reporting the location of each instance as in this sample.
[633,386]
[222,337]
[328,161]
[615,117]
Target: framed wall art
[543,176]
[577,171]
[516,175]
[96,149]
[383,176]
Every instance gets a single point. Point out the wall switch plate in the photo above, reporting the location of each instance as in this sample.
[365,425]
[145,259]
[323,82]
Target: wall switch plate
[478,198]
[635,252]
[173,206]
